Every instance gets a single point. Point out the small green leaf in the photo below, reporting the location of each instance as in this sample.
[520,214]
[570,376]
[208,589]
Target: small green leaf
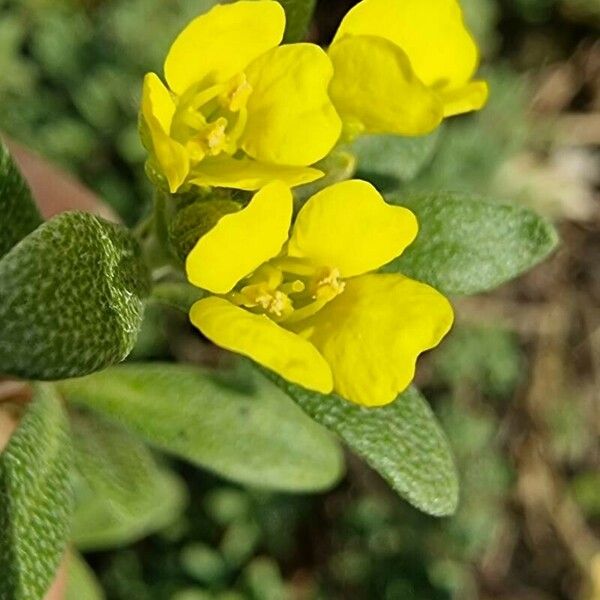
[386,160]
[298,17]
[121,494]
[19,215]
[255,436]
[81,581]
[466,245]
[35,499]
[401,441]
[70,299]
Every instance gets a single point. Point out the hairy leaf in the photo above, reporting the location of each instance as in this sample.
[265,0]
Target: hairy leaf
[121,494]
[466,245]
[386,160]
[19,215]
[401,441]
[35,499]
[70,299]
[256,436]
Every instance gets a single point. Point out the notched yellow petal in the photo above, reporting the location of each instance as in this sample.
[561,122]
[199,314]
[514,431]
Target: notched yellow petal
[349,226]
[375,89]
[432,33]
[291,119]
[372,334]
[240,242]
[262,340]
[222,42]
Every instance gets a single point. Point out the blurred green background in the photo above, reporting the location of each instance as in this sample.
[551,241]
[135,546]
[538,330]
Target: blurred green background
[516,385]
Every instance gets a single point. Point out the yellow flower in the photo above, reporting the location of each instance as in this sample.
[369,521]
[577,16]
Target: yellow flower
[241,110]
[401,66]
[307,305]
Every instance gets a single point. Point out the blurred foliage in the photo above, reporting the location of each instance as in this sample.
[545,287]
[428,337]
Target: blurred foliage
[74,70]
[70,71]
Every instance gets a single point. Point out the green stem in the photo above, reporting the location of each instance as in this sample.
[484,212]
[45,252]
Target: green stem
[177,295]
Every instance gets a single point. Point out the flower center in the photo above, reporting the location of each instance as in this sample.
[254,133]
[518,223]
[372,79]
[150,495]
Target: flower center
[211,121]
[288,290]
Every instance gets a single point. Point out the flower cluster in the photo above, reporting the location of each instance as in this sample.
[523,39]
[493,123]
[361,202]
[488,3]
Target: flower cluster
[302,296]
[241,110]
[310,306]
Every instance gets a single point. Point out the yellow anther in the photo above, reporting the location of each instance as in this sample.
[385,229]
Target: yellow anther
[209,141]
[276,303]
[215,135]
[260,295]
[237,96]
[328,284]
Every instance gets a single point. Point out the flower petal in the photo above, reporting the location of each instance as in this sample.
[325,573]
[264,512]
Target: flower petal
[158,109]
[375,87]
[432,33]
[472,96]
[350,226]
[241,241]
[372,334]
[244,174]
[222,42]
[291,119]
[261,339]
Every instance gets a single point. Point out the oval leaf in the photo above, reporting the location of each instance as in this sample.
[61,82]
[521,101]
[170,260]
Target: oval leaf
[255,436]
[35,499]
[386,160]
[466,245]
[121,494]
[401,441]
[70,299]
[19,215]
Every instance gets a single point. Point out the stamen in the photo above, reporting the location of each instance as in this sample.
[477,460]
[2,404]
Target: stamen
[215,135]
[274,302]
[210,141]
[237,131]
[204,97]
[237,96]
[306,311]
[293,287]
[328,285]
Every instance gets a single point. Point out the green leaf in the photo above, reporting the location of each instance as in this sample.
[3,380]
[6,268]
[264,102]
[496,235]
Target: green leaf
[70,299]
[256,436]
[401,441]
[298,16]
[121,494]
[387,160]
[35,498]
[81,581]
[466,245]
[19,215]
